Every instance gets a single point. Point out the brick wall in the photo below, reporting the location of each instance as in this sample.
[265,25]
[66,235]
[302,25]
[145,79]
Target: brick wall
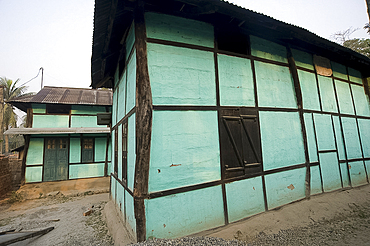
[5,176]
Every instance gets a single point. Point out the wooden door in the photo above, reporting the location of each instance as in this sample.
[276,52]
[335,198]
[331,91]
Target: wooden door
[56,159]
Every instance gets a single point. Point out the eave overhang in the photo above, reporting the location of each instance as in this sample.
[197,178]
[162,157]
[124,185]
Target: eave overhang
[43,131]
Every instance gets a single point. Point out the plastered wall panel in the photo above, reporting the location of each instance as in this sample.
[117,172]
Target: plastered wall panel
[311,142]
[130,214]
[274,86]
[303,59]
[364,127]
[354,75]
[33,174]
[82,109]
[310,94]
[339,138]
[316,186]
[177,29]
[86,171]
[236,81]
[113,185]
[327,94]
[130,41]
[285,187]
[122,98]
[361,100]
[100,149]
[339,70]
[330,171]
[131,151]
[52,121]
[344,173]
[74,150]
[120,199]
[324,132]
[38,108]
[184,213]
[344,97]
[114,107]
[84,121]
[367,165]
[35,151]
[281,137]
[181,76]
[351,138]
[244,198]
[358,173]
[184,149]
[119,152]
[268,50]
[131,83]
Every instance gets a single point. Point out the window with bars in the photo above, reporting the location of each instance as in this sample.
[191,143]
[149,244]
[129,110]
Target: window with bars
[87,150]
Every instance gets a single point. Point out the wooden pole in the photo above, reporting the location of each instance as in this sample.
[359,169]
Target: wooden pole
[1,118]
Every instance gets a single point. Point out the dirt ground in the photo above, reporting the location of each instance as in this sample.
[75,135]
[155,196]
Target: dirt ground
[337,218]
[62,212]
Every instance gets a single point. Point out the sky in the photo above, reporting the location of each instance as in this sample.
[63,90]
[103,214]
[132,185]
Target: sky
[57,35]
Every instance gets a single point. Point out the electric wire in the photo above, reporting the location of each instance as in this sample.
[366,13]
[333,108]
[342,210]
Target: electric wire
[32,78]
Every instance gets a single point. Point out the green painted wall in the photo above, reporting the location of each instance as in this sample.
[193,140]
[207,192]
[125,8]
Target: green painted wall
[281,137]
[33,174]
[50,121]
[177,29]
[316,186]
[35,151]
[130,40]
[311,141]
[358,174]
[354,75]
[244,198]
[324,132]
[185,213]
[236,81]
[285,187]
[351,138]
[327,94]
[268,50]
[84,121]
[344,172]
[274,86]
[74,150]
[100,149]
[131,84]
[344,97]
[130,214]
[303,59]
[131,150]
[361,100]
[82,109]
[310,96]
[364,126]
[330,171]
[114,107]
[184,149]
[119,152]
[86,170]
[181,76]
[339,138]
[121,101]
[339,70]
[39,108]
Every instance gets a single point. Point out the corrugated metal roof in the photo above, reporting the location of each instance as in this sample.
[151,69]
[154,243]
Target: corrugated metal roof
[64,95]
[72,130]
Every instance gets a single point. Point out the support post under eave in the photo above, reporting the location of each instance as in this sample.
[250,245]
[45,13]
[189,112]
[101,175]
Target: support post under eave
[144,112]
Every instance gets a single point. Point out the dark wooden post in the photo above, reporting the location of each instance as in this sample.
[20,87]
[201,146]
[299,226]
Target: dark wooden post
[1,118]
[298,92]
[144,111]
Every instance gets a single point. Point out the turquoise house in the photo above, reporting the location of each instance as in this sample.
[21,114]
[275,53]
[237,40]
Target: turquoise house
[220,113]
[62,138]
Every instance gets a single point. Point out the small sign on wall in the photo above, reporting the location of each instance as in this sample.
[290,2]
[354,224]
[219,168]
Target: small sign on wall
[322,66]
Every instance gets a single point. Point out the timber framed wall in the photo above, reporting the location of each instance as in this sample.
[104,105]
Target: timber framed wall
[237,128]
[83,160]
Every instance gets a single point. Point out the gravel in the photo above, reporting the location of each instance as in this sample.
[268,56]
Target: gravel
[199,241]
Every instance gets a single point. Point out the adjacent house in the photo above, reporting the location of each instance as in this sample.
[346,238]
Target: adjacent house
[62,138]
[220,113]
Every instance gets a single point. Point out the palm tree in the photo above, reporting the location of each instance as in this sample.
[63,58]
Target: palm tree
[11,90]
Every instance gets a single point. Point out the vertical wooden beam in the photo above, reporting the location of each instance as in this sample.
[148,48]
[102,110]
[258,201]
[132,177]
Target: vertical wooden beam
[144,112]
[1,118]
[25,152]
[298,92]
[106,156]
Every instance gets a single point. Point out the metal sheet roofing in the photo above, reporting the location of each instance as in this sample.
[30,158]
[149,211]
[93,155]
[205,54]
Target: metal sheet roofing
[66,95]
[72,130]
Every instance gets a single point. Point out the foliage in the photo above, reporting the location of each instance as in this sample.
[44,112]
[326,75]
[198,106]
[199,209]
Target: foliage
[367,27]
[361,46]
[15,197]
